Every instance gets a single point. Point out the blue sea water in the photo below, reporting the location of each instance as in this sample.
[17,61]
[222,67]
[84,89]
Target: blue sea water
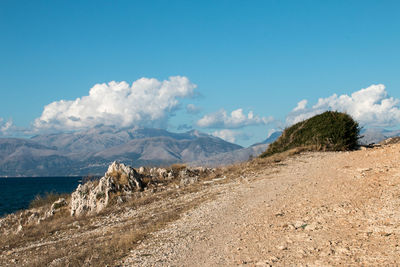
[17,193]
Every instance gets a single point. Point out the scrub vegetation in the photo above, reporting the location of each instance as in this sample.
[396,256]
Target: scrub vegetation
[329,131]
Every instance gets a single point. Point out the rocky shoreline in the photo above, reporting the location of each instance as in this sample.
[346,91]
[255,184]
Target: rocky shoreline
[119,184]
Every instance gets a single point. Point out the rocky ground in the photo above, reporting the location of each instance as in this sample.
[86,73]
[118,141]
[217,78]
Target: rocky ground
[310,209]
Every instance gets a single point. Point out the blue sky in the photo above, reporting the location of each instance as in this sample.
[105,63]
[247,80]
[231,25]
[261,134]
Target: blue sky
[262,57]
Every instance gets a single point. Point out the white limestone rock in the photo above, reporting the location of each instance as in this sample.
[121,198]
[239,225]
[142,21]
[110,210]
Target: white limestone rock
[92,197]
[56,206]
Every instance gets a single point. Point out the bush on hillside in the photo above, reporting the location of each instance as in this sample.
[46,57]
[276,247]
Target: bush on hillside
[329,131]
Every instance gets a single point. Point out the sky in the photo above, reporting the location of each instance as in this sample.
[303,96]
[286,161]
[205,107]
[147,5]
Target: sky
[236,69]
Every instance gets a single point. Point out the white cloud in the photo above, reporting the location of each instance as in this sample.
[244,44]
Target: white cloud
[229,135]
[146,103]
[6,126]
[237,119]
[301,105]
[370,106]
[192,109]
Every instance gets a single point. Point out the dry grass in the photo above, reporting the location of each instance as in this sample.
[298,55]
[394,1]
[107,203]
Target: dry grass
[58,240]
[254,165]
[86,241]
[97,249]
[278,157]
[176,168]
[46,200]
[120,178]
[35,232]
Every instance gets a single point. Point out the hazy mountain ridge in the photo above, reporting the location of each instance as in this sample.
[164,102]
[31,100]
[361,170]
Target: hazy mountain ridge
[238,155]
[271,138]
[376,135]
[91,151]
[231,157]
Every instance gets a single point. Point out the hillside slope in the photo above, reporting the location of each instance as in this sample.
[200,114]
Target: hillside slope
[315,208]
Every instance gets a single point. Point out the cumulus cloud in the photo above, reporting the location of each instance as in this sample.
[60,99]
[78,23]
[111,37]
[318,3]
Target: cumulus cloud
[227,135]
[370,106]
[9,129]
[301,105]
[192,109]
[6,126]
[237,119]
[145,103]
[230,135]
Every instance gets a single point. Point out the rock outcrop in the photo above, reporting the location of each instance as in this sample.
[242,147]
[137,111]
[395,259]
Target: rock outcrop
[391,141]
[119,184]
[121,181]
[175,172]
[92,197]
[56,206]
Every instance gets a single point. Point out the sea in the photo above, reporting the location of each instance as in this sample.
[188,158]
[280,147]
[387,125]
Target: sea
[17,193]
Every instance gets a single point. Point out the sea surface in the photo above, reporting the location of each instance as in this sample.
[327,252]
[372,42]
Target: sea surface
[17,193]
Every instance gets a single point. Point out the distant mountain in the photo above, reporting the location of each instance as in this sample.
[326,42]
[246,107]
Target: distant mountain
[164,150]
[271,138]
[231,157]
[91,151]
[25,157]
[376,135]
[104,137]
[239,155]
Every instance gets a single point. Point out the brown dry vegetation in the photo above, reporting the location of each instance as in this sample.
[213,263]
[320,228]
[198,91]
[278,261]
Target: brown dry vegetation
[121,178]
[46,200]
[98,239]
[106,238]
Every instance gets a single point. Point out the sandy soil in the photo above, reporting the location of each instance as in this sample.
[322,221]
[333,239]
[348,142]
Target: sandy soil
[314,209]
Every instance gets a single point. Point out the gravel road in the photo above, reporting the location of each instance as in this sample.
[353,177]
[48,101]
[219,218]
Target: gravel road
[312,209]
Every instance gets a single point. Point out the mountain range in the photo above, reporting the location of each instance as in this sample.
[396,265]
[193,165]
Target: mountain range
[238,155]
[91,151]
[375,135]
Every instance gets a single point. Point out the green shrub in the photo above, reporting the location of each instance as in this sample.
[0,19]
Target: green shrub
[329,131]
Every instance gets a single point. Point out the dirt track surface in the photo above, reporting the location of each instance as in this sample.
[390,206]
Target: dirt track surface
[312,209]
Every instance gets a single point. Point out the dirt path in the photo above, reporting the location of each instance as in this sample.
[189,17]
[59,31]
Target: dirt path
[314,209]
